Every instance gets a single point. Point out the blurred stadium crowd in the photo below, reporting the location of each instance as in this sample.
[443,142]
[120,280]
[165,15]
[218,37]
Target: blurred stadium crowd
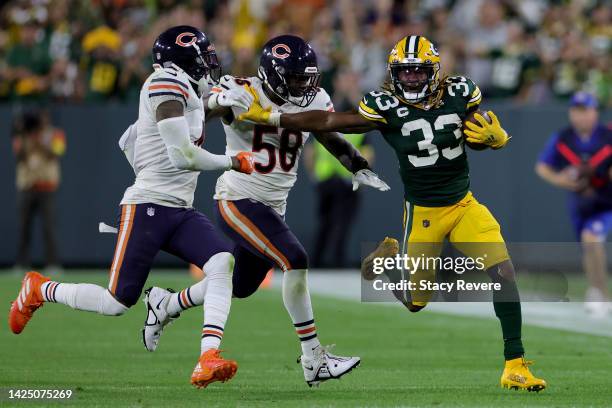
[532,51]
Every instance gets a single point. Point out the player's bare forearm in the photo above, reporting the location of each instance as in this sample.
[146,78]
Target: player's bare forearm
[324,121]
[218,112]
[343,150]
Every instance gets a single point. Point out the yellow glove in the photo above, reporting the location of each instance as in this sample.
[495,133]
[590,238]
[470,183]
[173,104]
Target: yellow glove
[256,113]
[490,134]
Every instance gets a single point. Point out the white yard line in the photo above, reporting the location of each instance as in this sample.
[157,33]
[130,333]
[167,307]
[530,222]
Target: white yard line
[568,316]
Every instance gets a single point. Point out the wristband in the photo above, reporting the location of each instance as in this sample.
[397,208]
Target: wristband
[274,119]
[213,102]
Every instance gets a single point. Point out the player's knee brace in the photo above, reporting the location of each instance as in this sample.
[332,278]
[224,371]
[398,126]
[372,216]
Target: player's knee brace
[297,257]
[109,306]
[221,263]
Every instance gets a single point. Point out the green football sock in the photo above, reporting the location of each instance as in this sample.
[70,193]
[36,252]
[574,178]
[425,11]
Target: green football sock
[507,305]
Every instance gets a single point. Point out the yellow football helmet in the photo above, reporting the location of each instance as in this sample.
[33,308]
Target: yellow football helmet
[414,69]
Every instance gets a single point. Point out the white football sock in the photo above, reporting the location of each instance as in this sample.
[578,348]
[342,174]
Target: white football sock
[297,302]
[82,296]
[217,299]
[187,298]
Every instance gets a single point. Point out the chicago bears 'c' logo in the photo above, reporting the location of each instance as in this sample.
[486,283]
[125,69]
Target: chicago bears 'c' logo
[281,51]
[182,43]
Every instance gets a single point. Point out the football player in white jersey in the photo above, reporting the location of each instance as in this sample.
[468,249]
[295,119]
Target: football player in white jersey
[251,209]
[156,211]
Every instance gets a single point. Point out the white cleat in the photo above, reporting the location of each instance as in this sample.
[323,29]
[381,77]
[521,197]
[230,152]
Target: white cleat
[325,366]
[156,300]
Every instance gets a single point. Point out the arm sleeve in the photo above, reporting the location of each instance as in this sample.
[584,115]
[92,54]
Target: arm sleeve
[183,154]
[550,155]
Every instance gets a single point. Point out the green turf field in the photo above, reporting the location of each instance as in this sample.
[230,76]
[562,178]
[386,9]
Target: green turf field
[415,360]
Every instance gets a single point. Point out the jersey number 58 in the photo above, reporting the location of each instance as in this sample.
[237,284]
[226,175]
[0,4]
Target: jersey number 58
[289,146]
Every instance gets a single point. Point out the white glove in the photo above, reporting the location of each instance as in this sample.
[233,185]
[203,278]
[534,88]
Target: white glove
[238,97]
[369,178]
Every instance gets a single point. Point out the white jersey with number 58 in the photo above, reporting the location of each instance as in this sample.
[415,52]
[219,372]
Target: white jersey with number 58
[276,151]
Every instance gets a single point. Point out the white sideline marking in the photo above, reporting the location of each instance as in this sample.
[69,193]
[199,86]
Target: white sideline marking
[568,316]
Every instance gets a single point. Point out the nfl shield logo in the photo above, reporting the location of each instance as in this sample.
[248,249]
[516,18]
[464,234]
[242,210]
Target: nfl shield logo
[150,211]
[425,223]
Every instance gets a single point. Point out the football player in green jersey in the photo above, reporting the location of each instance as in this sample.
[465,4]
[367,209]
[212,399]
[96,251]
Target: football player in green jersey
[420,115]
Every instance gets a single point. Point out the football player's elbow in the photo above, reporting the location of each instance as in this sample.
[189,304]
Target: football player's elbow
[181,158]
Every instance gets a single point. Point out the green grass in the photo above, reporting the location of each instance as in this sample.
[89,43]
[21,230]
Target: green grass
[417,360]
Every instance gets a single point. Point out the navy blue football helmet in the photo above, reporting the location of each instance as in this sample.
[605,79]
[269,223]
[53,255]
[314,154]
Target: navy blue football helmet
[288,68]
[189,49]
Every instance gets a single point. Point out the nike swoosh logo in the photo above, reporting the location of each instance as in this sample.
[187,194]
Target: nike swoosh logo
[309,368]
[160,302]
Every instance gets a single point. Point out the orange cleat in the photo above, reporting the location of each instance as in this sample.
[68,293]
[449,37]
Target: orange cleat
[29,299]
[212,367]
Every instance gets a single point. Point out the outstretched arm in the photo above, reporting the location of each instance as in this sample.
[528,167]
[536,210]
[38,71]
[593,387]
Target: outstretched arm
[344,151]
[351,159]
[325,121]
[174,130]
[310,121]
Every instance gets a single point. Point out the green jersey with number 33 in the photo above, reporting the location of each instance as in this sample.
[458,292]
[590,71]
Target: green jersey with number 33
[428,143]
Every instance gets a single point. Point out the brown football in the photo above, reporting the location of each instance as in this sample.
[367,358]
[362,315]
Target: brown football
[470,118]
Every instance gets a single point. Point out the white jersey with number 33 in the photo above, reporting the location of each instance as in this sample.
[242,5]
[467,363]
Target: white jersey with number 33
[276,151]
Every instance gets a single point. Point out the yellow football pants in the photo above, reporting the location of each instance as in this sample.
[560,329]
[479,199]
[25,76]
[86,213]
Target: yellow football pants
[468,225]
